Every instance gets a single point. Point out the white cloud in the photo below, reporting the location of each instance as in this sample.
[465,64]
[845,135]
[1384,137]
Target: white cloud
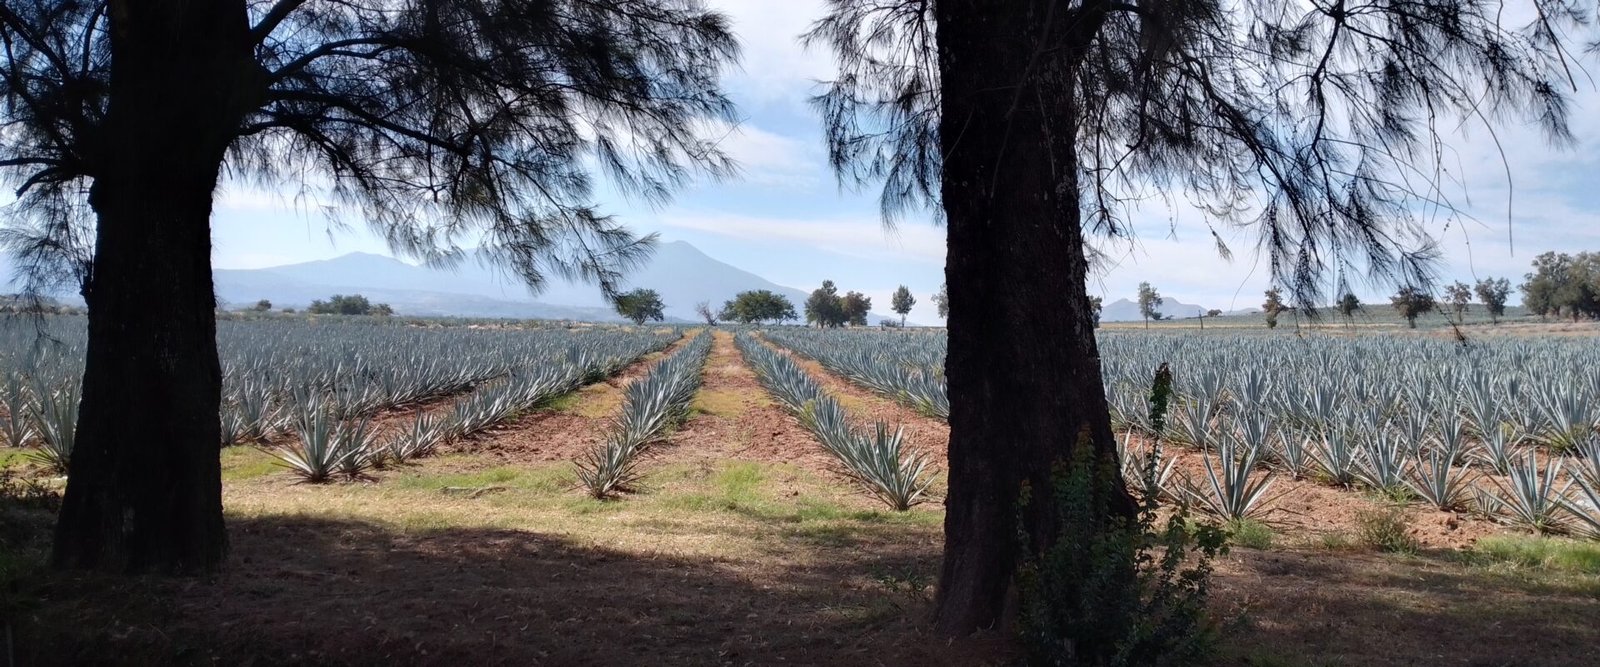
[852,237]
[770,159]
[775,68]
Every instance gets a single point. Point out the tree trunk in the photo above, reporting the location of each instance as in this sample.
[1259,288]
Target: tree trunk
[1023,368]
[145,490]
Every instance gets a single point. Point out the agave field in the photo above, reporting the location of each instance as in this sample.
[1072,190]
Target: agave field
[1503,427]
[322,382]
[1506,428]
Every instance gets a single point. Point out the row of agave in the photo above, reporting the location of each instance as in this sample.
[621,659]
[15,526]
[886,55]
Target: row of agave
[1539,391]
[649,406]
[877,458]
[330,445]
[1244,446]
[277,373]
[906,366]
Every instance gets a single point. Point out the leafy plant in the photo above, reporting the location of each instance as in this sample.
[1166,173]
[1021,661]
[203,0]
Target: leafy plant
[1386,529]
[1435,480]
[1114,591]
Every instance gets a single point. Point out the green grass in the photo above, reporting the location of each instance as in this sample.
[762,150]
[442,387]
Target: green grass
[242,462]
[14,456]
[1545,553]
[543,481]
[1249,533]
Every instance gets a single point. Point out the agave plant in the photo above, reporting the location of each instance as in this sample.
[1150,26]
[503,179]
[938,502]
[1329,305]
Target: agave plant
[1233,490]
[1497,447]
[1382,464]
[1530,498]
[425,433]
[880,462]
[1585,511]
[16,428]
[56,418]
[1295,452]
[1149,476]
[1435,479]
[325,446]
[1336,457]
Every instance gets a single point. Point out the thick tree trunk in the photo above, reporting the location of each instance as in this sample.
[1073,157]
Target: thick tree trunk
[145,491]
[1023,368]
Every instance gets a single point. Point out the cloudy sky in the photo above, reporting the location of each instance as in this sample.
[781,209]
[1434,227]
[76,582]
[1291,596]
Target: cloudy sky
[789,221]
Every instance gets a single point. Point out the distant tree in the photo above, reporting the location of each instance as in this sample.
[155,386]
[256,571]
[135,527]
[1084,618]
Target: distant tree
[1214,312]
[825,308]
[891,324]
[855,306]
[902,302]
[1096,305]
[1347,307]
[1493,293]
[1273,306]
[758,306]
[1411,302]
[942,301]
[382,310]
[1563,284]
[703,309]
[1459,294]
[639,305]
[340,304]
[262,306]
[1149,301]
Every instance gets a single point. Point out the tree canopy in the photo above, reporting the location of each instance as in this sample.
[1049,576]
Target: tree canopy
[1563,284]
[1493,293]
[639,305]
[342,304]
[902,302]
[436,122]
[1149,302]
[1412,303]
[758,306]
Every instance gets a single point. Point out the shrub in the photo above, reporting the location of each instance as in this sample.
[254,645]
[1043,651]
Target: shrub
[1249,533]
[1116,591]
[1386,529]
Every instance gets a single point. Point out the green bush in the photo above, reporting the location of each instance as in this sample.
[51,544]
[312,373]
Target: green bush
[1250,533]
[1113,590]
[1386,529]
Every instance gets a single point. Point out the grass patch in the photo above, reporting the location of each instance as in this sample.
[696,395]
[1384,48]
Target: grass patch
[720,403]
[15,456]
[243,462]
[596,401]
[497,476]
[1386,529]
[1249,533]
[1336,541]
[1545,553]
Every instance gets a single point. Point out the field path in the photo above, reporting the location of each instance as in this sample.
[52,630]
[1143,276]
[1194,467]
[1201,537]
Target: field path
[734,418]
[930,434]
[566,428]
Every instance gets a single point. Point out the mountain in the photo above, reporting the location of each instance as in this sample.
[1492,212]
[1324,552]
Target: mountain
[678,271]
[1124,310]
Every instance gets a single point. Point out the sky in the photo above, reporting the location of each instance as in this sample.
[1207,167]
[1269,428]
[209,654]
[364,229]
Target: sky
[788,220]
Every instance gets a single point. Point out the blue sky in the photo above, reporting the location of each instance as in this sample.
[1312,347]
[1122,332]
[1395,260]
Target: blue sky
[788,220]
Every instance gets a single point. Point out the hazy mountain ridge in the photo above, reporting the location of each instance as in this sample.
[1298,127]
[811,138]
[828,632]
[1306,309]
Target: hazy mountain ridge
[679,272]
[1126,310]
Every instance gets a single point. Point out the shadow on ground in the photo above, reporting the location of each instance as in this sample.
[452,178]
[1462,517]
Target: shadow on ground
[1359,609]
[316,591]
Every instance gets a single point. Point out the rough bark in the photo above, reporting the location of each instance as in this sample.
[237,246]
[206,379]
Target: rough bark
[145,490]
[1023,367]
